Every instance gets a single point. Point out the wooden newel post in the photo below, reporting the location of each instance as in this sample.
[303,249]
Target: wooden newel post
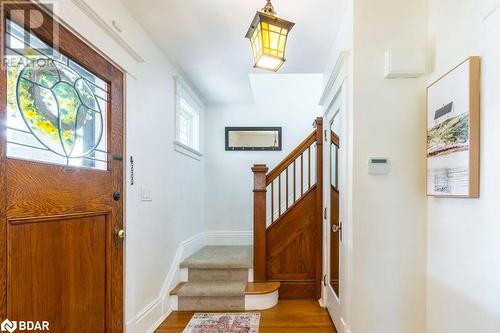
[259,222]
[319,202]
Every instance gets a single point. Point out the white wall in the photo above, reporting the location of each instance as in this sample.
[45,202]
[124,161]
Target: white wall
[389,220]
[154,229]
[290,101]
[464,234]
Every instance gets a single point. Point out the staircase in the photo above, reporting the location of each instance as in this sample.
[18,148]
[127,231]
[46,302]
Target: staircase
[288,204]
[219,278]
[286,259]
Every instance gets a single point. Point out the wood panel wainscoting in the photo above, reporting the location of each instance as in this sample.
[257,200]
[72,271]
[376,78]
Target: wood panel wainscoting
[288,235]
[60,258]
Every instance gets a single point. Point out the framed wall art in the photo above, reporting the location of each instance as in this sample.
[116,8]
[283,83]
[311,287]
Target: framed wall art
[453,106]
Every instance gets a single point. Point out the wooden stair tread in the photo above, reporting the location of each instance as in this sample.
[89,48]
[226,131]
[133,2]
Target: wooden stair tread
[260,288]
[176,289]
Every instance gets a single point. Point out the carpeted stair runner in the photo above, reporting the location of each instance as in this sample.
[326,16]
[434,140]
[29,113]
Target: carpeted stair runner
[217,278]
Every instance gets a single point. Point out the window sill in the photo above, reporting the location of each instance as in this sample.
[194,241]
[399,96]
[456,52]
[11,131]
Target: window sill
[187,151]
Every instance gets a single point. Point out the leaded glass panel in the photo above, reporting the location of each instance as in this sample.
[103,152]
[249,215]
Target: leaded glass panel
[56,110]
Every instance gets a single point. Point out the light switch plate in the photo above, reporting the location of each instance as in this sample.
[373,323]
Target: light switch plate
[146,193]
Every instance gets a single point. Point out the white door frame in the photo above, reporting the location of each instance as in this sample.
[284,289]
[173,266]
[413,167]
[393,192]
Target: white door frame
[336,99]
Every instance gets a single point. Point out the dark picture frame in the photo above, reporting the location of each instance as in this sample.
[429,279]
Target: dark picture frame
[279,138]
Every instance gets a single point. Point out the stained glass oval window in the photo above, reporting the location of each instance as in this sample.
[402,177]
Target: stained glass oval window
[57,106]
[56,109]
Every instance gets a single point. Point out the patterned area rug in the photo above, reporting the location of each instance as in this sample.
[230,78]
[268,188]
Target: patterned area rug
[224,323]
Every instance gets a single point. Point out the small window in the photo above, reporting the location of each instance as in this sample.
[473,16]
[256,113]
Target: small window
[188,126]
[188,109]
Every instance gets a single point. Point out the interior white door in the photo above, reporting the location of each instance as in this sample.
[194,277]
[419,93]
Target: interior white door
[334,183]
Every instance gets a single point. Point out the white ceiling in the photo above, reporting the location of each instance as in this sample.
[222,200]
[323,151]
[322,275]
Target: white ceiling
[205,38]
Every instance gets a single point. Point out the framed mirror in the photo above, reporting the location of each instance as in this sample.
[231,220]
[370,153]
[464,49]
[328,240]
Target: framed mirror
[253,138]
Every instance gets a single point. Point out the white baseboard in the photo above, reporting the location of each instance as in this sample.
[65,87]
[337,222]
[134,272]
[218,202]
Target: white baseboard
[149,318]
[345,327]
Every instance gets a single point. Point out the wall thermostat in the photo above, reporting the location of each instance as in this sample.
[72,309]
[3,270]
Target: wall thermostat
[378,166]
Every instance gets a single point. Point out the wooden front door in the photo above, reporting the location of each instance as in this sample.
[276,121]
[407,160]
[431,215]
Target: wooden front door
[61,200]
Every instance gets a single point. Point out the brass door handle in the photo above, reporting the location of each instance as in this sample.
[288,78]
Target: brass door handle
[119,235]
[335,228]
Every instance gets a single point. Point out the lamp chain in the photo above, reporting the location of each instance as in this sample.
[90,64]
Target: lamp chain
[268,8]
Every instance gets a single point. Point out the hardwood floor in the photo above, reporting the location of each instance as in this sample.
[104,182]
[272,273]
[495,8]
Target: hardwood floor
[289,316]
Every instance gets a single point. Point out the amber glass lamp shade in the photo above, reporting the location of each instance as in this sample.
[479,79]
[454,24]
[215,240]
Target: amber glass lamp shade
[268,35]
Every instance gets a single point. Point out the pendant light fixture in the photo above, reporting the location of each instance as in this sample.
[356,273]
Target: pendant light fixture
[268,36]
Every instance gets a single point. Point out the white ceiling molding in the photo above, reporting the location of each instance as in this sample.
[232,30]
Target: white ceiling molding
[111,29]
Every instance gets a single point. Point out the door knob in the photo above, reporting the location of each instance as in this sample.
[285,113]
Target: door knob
[116,196]
[119,236]
[335,228]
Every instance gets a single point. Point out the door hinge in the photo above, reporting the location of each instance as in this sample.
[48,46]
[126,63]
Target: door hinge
[324,280]
[325,213]
[326,139]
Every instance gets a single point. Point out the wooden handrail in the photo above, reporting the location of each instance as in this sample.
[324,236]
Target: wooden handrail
[287,161]
[335,139]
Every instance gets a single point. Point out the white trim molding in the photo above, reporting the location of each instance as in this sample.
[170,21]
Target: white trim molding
[188,151]
[111,29]
[152,315]
[337,95]
[337,69]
